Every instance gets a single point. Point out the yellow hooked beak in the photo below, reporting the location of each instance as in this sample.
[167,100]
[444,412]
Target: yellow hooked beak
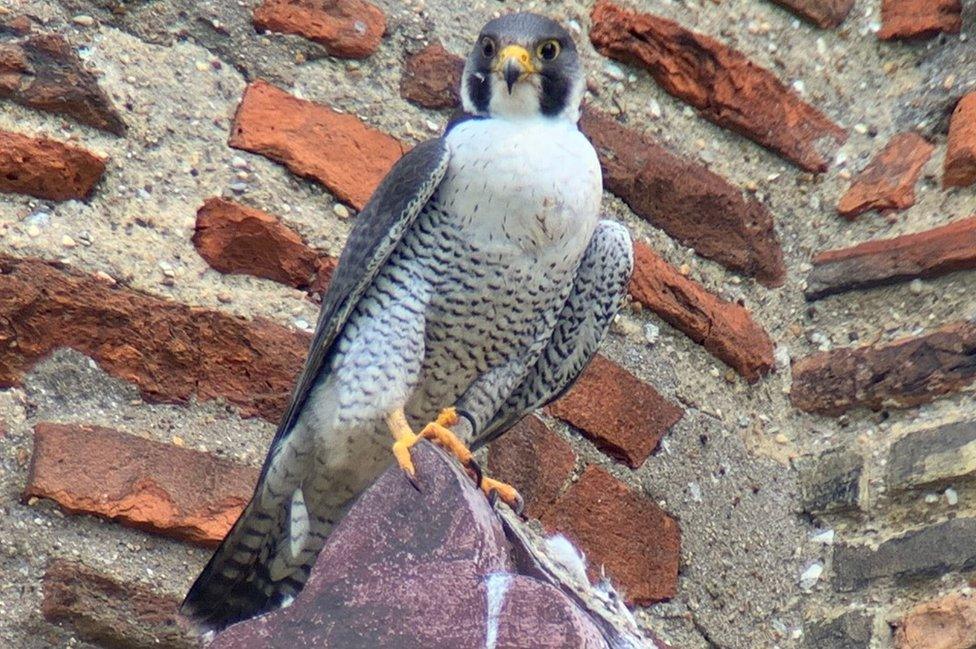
[514,63]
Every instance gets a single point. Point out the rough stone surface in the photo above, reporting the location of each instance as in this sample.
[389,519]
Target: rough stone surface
[725,329]
[823,13]
[234,238]
[42,71]
[172,352]
[888,182]
[623,416]
[851,630]
[960,160]
[945,249]
[904,373]
[831,481]
[699,208]
[432,78]
[347,28]
[945,623]
[178,68]
[47,168]
[643,552]
[933,455]
[428,568]
[108,613]
[924,553]
[919,18]
[534,460]
[314,141]
[161,488]
[723,84]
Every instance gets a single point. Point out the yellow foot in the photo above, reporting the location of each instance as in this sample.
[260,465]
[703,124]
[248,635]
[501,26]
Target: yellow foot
[439,432]
[507,493]
[403,440]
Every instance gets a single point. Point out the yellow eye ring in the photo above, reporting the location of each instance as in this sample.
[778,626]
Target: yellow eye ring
[549,49]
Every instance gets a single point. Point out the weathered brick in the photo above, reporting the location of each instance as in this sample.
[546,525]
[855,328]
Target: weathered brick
[234,238]
[695,206]
[314,141]
[723,328]
[933,455]
[888,182]
[901,374]
[622,415]
[924,553]
[931,253]
[172,352]
[109,613]
[432,77]
[919,18]
[47,168]
[643,552]
[831,481]
[722,83]
[851,630]
[960,160]
[533,459]
[347,28]
[823,13]
[173,491]
[945,623]
[42,71]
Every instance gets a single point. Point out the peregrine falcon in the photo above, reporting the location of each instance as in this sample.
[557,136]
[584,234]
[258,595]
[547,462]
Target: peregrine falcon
[475,286]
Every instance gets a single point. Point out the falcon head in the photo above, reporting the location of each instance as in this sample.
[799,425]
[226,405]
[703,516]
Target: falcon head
[523,65]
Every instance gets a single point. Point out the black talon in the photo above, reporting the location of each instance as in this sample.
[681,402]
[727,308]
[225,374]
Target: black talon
[413,481]
[519,508]
[478,474]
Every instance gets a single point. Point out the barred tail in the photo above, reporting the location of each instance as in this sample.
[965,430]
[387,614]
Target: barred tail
[261,565]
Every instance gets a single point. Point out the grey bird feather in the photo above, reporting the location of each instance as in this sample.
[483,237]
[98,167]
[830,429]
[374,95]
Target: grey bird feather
[392,208]
[478,277]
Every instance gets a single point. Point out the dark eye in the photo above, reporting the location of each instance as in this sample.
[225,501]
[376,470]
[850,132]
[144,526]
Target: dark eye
[548,50]
[488,47]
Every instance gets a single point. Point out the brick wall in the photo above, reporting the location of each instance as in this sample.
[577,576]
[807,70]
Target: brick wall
[773,450]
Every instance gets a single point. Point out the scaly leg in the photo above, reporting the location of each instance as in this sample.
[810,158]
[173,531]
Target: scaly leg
[403,439]
[439,432]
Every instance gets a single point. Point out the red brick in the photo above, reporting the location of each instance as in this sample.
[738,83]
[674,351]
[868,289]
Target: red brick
[888,182]
[622,530]
[110,613]
[823,13]
[234,238]
[347,28]
[905,373]
[314,141]
[172,352]
[725,329]
[722,83]
[960,160]
[919,18]
[625,417]
[173,491]
[47,168]
[42,71]
[695,206]
[432,78]
[533,459]
[931,253]
[944,623]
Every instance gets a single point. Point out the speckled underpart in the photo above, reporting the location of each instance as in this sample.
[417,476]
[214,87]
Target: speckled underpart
[491,301]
